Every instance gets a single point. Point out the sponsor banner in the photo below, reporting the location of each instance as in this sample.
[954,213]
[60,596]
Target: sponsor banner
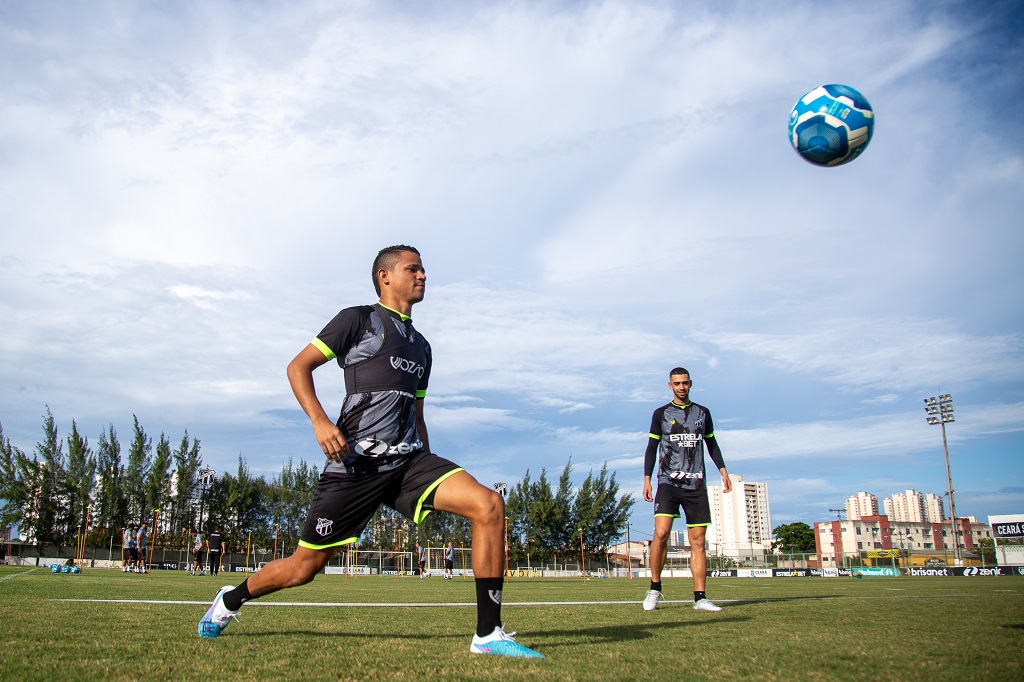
[876,572]
[882,553]
[163,565]
[1014,529]
[754,573]
[836,572]
[722,573]
[816,572]
[242,568]
[352,570]
[791,572]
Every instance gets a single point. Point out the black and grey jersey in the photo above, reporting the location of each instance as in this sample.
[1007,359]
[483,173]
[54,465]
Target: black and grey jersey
[387,367]
[681,433]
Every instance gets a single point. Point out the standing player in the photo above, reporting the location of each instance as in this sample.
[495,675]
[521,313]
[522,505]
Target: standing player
[421,558]
[449,561]
[133,549]
[141,537]
[214,549]
[198,542]
[681,430]
[378,453]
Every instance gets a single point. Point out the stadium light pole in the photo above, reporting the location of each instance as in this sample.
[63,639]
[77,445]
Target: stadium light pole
[940,411]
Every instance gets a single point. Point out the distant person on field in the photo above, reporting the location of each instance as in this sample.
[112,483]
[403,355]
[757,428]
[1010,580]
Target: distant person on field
[198,542]
[141,538]
[421,558]
[214,549]
[131,544]
[680,431]
[449,561]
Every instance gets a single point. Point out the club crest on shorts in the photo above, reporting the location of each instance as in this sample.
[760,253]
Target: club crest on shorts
[323,526]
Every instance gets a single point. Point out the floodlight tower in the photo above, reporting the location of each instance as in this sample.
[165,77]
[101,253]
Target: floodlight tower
[940,411]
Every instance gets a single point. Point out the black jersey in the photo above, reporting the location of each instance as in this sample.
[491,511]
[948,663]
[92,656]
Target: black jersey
[681,434]
[387,367]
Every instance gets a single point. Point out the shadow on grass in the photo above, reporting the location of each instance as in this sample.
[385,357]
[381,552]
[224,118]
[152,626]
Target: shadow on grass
[626,632]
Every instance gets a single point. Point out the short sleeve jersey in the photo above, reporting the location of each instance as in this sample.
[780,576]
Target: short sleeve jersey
[215,540]
[129,539]
[449,553]
[197,542]
[387,367]
[682,431]
[142,538]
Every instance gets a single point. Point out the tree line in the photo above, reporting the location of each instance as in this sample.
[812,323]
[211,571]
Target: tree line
[66,485]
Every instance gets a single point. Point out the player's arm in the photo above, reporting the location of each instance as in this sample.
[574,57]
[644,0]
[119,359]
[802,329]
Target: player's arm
[650,457]
[421,425]
[716,456]
[300,377]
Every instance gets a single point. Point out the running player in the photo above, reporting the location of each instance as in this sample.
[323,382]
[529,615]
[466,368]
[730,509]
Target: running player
[378,453]
[681,430]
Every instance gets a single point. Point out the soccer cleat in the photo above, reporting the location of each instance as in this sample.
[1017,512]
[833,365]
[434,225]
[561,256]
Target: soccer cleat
[217,617]
[651,600]
[501,643]
[705,605]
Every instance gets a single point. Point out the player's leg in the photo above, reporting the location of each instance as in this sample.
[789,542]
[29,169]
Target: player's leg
[698,518]
[659,551]
[461,494]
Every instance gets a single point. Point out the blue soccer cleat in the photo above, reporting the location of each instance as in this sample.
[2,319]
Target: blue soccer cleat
[501,643]
[217,617]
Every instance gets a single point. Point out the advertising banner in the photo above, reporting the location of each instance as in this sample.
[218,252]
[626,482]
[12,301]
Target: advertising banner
[882,553]
[877,572]
[754,573]
[791,572]
[722,573]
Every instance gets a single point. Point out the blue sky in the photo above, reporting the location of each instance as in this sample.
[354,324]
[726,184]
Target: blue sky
[601,191]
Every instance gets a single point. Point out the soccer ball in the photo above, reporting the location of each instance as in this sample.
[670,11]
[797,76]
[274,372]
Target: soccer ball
[54,568]
[831,125]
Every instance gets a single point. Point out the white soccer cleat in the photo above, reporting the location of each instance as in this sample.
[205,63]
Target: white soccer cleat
[651,600]
[501,643]
[217,617]
[705,605]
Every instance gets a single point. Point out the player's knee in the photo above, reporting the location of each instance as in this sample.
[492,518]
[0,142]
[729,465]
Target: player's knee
[661,534]
[490,508]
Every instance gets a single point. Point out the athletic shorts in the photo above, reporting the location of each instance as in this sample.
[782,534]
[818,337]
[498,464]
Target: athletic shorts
[197,556]
[133,553]
[344,503]
[695,504]
[448,563]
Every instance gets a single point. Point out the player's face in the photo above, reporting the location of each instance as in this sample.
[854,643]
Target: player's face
[408,280]
[680,385]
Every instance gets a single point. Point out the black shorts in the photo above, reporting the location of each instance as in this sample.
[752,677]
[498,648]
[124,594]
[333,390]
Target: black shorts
[695,504]
[133,553]
[345,503]
[448,563]
[197,556]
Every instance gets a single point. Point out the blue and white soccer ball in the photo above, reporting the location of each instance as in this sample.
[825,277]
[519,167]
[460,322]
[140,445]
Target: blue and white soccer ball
[54,568]
[831,125]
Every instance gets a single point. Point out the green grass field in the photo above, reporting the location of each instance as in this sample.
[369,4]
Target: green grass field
[770,629]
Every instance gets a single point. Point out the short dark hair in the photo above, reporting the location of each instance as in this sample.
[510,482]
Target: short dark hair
[386,259]
[678,370]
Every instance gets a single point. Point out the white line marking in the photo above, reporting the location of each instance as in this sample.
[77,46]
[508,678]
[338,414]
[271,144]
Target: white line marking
[15,575]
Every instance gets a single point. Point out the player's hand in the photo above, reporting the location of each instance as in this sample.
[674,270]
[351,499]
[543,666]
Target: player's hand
[648,492]
[333,444]
[726,483]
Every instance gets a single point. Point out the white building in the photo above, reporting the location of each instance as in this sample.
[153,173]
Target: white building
[934,508]
[906,507]
[741,520]
[860,505]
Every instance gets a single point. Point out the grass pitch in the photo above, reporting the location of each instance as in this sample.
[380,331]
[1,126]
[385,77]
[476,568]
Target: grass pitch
[770,629]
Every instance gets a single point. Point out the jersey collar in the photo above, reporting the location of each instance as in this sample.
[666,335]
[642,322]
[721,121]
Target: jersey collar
[403,318]
[675,404]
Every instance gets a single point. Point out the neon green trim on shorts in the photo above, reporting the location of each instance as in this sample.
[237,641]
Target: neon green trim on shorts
[697,525]
[671,516]
[323,348]
[310,545]
[420,514]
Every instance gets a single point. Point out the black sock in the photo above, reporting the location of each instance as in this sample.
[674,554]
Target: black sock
[488,605]
[697,596]
[656,586]
[234,599]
